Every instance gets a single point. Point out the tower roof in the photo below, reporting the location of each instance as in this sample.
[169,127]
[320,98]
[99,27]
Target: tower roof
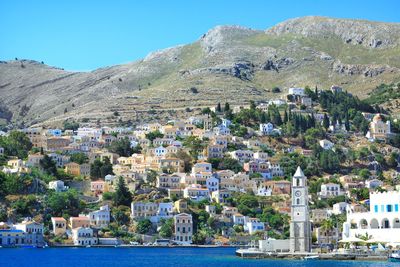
[299,172]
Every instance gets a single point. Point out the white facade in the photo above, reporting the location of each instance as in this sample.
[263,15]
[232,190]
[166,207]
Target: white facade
[266,128]
[58,186]
[253,225]
[339,208]
[381,222]
[330,190]
[212,184]
[160,151]
[296,91]
[183,228]
[83,236]
[300,227]
[100,218]
[326,144]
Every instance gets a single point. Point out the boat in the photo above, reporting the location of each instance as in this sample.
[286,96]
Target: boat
[311,258]
[394,256]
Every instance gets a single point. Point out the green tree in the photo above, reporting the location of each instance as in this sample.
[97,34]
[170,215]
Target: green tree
[79,158]
[153,135]
[227,107]
[99,169]
[65,203]
[325,122]
[122,194]
[48,165]
[122,147]
[143,226]
[167,228]
[121,215]
[218,108]
[16,144]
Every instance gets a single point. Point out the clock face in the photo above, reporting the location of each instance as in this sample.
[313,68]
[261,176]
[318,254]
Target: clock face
[297,193]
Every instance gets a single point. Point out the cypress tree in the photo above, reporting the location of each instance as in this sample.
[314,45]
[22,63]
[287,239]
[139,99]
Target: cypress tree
[122,195]
[227,107]
[218,109]
[325,122]
[285,117]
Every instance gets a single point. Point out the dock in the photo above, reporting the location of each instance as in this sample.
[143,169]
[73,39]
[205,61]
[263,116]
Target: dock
[253,253]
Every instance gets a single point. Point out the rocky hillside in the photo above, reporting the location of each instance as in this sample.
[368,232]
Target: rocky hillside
[229,63]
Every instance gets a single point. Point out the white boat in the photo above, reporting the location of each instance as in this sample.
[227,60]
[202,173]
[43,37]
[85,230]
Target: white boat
[394,256]
[311,258]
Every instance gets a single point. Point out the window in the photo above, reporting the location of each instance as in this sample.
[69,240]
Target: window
[389,208]
[382,208]
[396,207]
[376,208]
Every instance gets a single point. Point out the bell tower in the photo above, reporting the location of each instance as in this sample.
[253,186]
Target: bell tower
[300,226]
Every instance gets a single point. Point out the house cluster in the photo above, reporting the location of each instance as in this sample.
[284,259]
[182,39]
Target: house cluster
[83,229]
[26,233]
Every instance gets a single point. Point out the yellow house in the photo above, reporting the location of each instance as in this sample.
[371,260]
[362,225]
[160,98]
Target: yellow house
[77,170]
[59,225]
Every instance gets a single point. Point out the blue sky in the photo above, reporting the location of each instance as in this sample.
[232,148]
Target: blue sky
[87,34]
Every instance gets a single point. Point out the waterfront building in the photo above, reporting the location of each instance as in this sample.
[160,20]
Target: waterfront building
[59,225]
[33,231]
[183,228]
[84,236]
[382,221]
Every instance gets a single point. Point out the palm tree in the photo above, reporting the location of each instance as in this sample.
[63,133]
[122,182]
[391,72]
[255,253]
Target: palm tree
[327,226]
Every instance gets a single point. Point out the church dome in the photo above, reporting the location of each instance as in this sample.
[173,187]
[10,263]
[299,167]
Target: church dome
[377,118]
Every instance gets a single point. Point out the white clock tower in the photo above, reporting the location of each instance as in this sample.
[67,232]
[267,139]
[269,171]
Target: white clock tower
[300,226]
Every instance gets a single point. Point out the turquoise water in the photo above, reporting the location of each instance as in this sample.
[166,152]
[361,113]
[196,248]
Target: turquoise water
[152,257]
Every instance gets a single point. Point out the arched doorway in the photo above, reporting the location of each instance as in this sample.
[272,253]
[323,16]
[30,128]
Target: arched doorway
[363,224]
[385,223]
[374,224]
[396,223]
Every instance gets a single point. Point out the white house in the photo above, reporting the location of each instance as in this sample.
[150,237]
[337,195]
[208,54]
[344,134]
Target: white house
[254,225]
[326,144]
[82,236]
[238,219]
[266,128]
[196,193]
[58,186]
[330,190]
[382,221]
[160,151]
[296,91]
[339,208]
[212,183]
[264,191]
[373,183]
[100,218]
[165,210]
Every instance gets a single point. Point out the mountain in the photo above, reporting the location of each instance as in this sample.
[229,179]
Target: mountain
[228,63]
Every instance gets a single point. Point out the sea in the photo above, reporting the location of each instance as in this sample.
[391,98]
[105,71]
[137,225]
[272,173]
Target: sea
[152,257]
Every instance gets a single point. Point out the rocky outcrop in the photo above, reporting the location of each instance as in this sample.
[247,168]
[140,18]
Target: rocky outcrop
[357,32]
[364,70]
